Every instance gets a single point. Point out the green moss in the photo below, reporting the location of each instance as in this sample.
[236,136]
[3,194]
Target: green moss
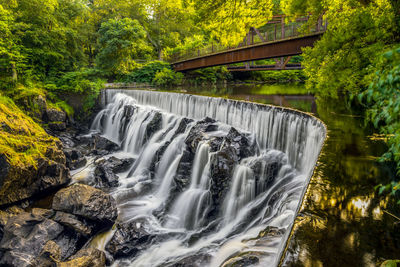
[62,105]
[22,140]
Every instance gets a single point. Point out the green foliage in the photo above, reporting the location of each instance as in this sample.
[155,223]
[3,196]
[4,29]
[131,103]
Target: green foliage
[121,41]
[228,21]
[146,72]
[383,102]
[357,34]
[390,263]
[209,75]
[85,82]
[167,78]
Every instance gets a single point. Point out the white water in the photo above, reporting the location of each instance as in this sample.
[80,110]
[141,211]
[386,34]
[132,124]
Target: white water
[289,144]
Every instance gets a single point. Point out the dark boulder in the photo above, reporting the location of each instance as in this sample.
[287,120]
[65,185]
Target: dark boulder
[73,222]
[266,168]
[4,168]
[75,159]
[197,133]
[50,254]
[242,261]
[17,183]
[183,172]
[182,126]
[88,202]
[129,110]
[197,260]
[25,236]
[88,257]
[153,126]
[222,164]
[116,165]
[129,239]
[106,169]
[57,126]
[104,177]
[240,143]
[55,115]
[102,145]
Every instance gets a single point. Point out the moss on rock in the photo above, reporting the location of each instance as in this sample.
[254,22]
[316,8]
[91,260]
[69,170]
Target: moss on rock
[22,140]
[31,160]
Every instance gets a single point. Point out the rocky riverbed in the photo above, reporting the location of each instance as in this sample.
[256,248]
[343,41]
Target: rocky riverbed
[46,219]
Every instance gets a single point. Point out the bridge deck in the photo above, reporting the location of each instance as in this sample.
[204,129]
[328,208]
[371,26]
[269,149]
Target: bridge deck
[280,48]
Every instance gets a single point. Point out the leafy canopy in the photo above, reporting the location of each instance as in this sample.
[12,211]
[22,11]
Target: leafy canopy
[121,41]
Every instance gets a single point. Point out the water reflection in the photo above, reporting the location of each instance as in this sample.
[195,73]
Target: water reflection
[342,221]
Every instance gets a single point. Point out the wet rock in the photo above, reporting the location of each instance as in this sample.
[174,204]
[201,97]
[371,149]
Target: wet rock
[104,178]
[240,143]
[129,239]
[74,223]
[25,236]
[116,165]
[182,126]
[88,202]
[129,110]
[43,212]
[55,115]
[193,261]
[106,169]
[197,133]
[75,159]
[183,172]
[57,126]
[88,257]
[266,167]
[68,137]
[50,254]
[17,183]
[222,165]
[101,145]
[4,168]
[153,126]
[6,215]
[242,261]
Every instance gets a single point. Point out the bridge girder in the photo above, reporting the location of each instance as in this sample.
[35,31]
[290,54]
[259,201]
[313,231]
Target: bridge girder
[279,48]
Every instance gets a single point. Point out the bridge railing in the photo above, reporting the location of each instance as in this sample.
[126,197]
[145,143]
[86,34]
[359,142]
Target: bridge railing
[273,31]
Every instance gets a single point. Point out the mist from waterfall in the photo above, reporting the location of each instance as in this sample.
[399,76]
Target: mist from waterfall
[203,218]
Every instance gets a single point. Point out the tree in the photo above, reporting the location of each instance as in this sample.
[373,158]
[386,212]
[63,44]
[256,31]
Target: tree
[358,32]
[10,56]
[229,21]
[120,42]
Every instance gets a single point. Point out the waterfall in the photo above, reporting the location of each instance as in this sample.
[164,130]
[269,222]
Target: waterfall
[211,175]
[190,208]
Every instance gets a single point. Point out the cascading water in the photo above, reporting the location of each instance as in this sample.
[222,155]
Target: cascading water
[214,195]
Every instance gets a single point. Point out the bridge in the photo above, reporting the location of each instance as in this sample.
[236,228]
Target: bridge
[276,40]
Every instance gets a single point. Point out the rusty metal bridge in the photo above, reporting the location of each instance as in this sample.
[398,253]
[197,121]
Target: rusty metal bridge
[276,40]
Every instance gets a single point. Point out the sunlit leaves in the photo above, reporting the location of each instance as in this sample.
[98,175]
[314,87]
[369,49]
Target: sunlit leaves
[121,41]
[229,21]
[357,34]
[383,100]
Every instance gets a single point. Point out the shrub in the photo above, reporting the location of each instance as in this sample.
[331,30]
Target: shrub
[383,102]
[209,75]
[85,82]
[167,77]
[147,72]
